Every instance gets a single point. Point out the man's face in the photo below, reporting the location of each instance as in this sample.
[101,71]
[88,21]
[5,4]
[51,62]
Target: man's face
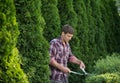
[66,37]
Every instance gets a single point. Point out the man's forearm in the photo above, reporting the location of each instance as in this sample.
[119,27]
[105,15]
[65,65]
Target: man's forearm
[73,59]
[56,64]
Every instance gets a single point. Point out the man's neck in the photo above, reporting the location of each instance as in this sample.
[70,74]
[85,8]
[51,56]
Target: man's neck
[63,42]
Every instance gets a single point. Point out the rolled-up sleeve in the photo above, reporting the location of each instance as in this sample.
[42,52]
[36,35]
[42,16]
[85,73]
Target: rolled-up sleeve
[52,50]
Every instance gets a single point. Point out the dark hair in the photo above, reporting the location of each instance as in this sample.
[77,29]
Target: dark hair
[67,29]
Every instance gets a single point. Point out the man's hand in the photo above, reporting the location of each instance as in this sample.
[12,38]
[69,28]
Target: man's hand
[82,65]
[66,70]
[59,66]
[73,59]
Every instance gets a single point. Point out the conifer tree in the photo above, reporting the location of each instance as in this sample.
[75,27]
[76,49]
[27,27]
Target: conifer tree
[10,69]
[82,27]
[91,33]
[52,19]
[99,47]
[115,26]
[67,13]
[109,23]
[32,45]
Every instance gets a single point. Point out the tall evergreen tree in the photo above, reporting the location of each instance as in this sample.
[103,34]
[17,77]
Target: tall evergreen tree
[99,30]
[52,19]
[10,69]
[116,25]
[82,27]
[109,23]
[32,45]
[67,13]
[91,45]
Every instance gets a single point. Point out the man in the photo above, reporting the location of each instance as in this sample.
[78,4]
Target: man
[60,54]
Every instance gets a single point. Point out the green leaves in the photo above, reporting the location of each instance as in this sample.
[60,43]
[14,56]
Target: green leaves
[107,70]
[10,70]
[32,45]
[110,64]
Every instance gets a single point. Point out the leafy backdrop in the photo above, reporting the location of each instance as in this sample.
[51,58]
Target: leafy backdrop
[27,26]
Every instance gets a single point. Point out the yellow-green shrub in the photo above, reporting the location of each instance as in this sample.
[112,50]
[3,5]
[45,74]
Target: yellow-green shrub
[104,78]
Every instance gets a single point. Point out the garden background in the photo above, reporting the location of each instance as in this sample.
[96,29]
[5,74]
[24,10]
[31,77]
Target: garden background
[27,26]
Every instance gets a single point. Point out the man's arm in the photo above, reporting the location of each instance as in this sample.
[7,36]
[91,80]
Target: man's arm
[55,64]
[73,59]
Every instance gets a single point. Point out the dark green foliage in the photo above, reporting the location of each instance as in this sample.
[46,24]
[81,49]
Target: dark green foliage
[97,33]
[91,46]
[67,13]
[52,19]
[82,28]
[99,29]
[97,44]
[115,27]
[32,45]
[109,19]
[10,69]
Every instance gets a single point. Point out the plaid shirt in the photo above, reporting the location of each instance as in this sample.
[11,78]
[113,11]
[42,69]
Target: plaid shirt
[61,53]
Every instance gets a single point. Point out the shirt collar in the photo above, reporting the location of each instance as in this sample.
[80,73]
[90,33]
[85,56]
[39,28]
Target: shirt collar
[60,40]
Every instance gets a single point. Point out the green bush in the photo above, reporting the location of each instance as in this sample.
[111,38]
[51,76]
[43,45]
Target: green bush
[10,68]
[104,78]
[12,72]
[110,64]
[51,15]
[32,45]
[107,70]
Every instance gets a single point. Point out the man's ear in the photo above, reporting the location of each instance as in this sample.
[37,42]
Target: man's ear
[63,33]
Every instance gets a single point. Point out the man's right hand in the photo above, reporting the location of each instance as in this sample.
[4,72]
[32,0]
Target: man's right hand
[66,70]
[59,66]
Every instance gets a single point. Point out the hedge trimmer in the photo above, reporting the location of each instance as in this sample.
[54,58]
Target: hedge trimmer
[77,73]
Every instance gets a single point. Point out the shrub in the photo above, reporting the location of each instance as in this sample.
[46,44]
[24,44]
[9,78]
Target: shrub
[10,69]
[104,78]
[32,45]
[107,70]
[110,64]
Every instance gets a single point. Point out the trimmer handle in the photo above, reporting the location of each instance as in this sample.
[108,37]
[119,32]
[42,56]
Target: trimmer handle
[84,71]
